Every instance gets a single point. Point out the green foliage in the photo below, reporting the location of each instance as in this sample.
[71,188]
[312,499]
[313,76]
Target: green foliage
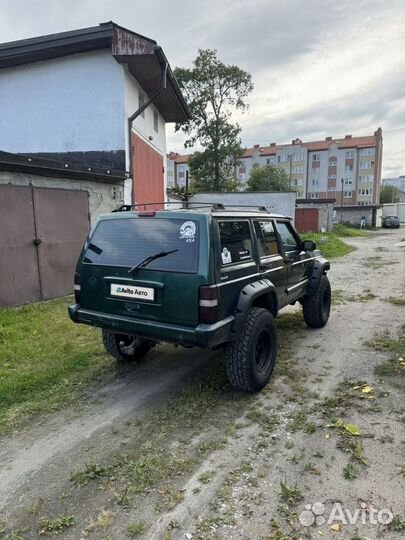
[45,359]
[329,244]
[213,91]
[268,178]
[389,194]
[56,525]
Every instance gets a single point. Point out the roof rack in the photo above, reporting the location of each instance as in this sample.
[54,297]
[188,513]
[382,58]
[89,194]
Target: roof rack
[201,204]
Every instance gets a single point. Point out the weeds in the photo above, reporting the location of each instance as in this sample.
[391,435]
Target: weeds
[135,529]
[349,472]
[56,525]
[290,494]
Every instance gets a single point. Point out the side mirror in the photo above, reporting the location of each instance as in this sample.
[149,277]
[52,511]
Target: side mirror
[308,245]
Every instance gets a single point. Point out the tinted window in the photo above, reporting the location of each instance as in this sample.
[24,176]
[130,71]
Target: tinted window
[266,238]
[126,242]
[287,236]
[236,241]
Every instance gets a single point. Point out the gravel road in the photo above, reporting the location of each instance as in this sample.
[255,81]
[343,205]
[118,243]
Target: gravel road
[325,439]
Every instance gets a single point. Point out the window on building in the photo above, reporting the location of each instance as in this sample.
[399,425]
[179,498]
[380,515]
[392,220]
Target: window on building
[348,182]
[332,188]
[332,176]
[315,182]
[298,157]
[347,194]
[141,102]
[314,195]
[332,163]
[348,168]
[316,157]
[156,121]
[349,154]
[270,161]
[367,151]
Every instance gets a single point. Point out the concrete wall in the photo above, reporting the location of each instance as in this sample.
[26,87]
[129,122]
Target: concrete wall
[353,216]
[103,197]
[69,104]
[276,202]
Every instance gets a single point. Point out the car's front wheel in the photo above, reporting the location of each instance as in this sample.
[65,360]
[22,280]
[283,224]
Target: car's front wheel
[316,308]
[250,359]
[126,348]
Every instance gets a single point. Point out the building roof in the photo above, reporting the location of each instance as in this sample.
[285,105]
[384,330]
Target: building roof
[343,142]
[179,158]
[49,167]
[143,56]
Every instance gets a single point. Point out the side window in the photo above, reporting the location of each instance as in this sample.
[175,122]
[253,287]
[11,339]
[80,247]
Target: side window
[266,238]
[236,241]
[288,238]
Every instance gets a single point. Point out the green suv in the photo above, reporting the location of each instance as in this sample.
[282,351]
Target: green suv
[207,277]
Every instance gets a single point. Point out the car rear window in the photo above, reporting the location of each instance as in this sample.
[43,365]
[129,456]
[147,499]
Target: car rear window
[126,242]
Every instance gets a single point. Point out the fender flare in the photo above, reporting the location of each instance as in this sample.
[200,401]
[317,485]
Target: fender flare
[247,296]
[319,268]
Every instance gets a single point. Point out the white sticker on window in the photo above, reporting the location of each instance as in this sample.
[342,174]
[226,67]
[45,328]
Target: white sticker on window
[226,256]
[187,231]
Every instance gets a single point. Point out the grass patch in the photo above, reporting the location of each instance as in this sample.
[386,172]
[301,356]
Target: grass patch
[135,529]
[349,472]
[329,244]
[396,301]
[347,231]
[56,525]
[45,359]
[290,494]
[385,342]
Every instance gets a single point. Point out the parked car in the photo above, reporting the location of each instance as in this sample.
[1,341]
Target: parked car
[206,277]
[390,221]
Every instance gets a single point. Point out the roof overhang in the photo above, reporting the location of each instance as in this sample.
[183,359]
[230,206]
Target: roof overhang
[144,58]
[45,167]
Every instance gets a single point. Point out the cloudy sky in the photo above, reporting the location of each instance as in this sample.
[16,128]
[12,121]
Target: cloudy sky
[320,67]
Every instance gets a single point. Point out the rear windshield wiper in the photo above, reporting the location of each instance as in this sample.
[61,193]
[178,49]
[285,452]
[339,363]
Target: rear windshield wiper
[149,259]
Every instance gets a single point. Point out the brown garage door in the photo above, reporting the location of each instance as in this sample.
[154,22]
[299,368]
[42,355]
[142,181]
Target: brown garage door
[42,231]
[307,219]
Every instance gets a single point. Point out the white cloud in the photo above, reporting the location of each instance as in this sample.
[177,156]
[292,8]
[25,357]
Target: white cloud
[320,67]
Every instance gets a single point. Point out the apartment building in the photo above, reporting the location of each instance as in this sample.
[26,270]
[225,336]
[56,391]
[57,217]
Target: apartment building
[347,169]
[176,169]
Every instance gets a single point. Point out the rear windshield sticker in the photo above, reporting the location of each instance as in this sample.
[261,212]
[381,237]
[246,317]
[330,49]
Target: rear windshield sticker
[226,256]
[244,254]
[187,231]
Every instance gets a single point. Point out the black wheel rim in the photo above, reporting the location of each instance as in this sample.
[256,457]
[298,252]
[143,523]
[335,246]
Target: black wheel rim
[262,351]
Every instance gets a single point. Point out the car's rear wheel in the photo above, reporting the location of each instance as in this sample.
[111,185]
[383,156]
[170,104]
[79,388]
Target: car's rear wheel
[126,348]
[316,308]
[250,359]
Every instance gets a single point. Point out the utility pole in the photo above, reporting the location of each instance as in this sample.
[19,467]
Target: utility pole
[341,203]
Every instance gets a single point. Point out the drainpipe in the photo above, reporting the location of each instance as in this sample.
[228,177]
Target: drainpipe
[139,111]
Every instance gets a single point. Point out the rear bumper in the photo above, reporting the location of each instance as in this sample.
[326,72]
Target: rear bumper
[203,335]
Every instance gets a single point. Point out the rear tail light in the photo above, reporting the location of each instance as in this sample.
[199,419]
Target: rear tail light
[77,288]
[208,304]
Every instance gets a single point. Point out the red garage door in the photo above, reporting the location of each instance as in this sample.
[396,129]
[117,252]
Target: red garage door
[307,219]
[148,185]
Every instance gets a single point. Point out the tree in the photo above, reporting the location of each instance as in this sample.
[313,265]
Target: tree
[268,178]
[389,194]
[213,91]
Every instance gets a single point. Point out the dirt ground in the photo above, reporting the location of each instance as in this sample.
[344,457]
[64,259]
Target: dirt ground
[168,451]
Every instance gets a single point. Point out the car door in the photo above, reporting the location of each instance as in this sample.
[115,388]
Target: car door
[296,259]
[237,266]
[272,265]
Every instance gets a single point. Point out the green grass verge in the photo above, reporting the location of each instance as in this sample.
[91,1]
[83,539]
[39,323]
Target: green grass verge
[344,230]
[329,244]
[45,359]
